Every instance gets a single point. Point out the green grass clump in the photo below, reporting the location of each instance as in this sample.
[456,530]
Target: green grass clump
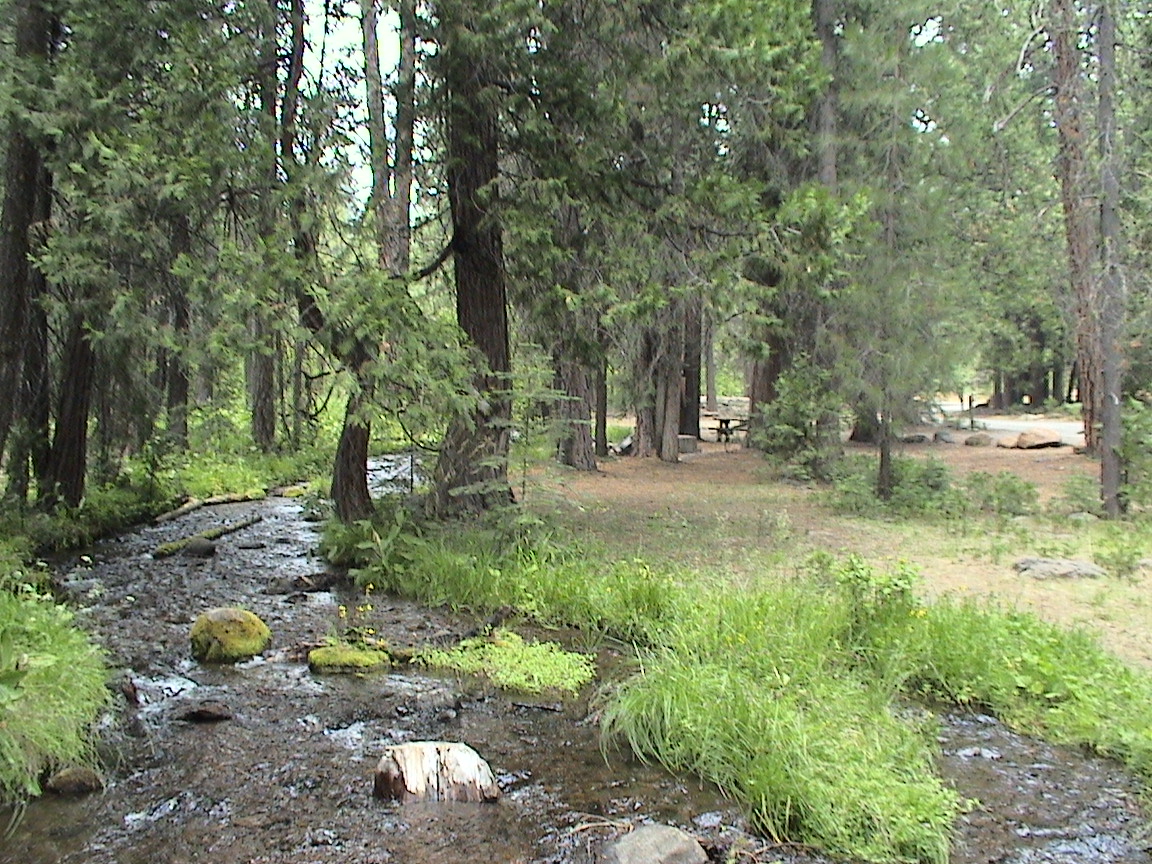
[506,659]
[786,693]
[821,762]
[52,686]
[1049,681]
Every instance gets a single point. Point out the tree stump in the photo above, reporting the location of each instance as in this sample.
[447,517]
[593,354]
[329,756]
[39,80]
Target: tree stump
[434,771]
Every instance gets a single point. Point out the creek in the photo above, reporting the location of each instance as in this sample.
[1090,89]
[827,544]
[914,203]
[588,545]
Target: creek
[265,762]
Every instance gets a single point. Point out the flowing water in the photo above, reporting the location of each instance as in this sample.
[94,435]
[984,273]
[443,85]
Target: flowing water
[265,762]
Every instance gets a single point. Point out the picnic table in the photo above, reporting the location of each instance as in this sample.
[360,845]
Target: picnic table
[729,426]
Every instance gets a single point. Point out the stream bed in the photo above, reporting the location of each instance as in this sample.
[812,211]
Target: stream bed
[265,762]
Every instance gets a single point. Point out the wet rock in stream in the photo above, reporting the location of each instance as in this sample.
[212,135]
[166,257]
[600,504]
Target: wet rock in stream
[288,778]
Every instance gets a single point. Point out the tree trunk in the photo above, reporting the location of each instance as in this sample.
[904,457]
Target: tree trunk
[826,15]
[885,481]
[472,471]
[575,447]
[68,461]
[350,495]
[1080,226]
[23,175]
[693,346]
[32,445]
[711,402]
[176,380]
[600,388]
[1112,301]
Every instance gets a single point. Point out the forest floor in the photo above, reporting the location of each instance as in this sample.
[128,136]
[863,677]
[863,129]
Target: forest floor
[726,511]
[266,763]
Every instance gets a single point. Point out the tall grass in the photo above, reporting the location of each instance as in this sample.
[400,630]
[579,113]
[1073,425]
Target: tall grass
[51,689]
[793,696]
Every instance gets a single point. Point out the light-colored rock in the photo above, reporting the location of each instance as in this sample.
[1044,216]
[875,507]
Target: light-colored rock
[1008,443]
[434,771]
[227,634]
[1058,568]
[943,436]
[1034,439]
[656,844]
[979,439]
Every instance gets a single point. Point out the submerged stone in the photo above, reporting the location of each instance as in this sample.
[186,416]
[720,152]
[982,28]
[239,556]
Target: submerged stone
[656,844]
[74,781]
[226,635]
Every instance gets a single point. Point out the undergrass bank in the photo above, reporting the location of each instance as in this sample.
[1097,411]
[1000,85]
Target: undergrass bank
[790,695]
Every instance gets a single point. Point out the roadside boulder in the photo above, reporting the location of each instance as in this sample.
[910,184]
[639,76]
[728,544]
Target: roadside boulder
[226,635]
[1035,439]
[434,771]
[656,844]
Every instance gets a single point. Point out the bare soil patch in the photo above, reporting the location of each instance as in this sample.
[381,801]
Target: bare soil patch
[725,511]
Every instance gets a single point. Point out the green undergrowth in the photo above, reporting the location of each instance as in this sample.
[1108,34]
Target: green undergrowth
[52,687]
[507,660]
[795,695]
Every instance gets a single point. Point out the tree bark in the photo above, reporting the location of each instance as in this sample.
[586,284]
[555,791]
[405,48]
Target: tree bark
[23,175]
[573,412]
[68,461]
[693,346]
[1080,215]
[472,471]
[1112,301]
[351,497]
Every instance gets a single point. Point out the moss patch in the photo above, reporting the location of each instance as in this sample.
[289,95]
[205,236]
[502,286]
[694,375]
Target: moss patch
[507,660]
[226,635]
[347,658]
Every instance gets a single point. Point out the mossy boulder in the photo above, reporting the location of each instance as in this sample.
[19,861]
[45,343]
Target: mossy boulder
[347,658]
[226,635]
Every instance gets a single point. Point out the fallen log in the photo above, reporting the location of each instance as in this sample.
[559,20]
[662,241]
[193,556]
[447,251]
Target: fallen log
[165,550]
[193,504]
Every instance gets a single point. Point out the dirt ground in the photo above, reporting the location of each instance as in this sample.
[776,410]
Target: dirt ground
[724,510]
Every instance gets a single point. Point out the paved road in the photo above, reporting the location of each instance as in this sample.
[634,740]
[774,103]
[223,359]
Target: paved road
[1070,431]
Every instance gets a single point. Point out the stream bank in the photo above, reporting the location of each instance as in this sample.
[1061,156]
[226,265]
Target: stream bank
[265,762]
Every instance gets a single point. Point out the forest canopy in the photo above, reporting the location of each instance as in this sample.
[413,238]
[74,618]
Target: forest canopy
[225,224]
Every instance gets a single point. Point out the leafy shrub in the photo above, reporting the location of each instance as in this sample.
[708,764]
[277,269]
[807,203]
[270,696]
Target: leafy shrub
[1005,493]
[1040,678]
[795,428]
[51,690]
[1078,494]
[920,487]
[1118,549]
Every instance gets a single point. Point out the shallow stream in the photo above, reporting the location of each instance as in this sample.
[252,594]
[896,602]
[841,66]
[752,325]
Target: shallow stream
[264,762]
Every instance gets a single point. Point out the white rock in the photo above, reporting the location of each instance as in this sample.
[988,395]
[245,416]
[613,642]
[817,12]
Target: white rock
[656,844]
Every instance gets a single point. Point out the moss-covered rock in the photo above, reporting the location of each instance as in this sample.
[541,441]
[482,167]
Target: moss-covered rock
[347,658]
[226,635]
